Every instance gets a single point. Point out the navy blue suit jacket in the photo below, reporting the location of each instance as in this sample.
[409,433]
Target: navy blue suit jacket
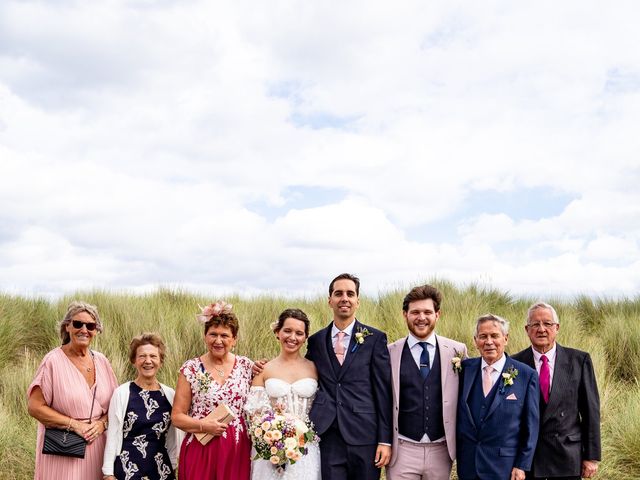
[356,394]
[507,436]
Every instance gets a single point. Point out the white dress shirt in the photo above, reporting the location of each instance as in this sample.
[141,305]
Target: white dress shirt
[348,331]
[497,369]
[551,356]
[416,349]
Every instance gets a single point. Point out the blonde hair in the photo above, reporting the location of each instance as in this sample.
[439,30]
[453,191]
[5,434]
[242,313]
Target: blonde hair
[74,308]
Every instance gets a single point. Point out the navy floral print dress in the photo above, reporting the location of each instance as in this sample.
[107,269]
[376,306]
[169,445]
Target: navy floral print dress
[144,455]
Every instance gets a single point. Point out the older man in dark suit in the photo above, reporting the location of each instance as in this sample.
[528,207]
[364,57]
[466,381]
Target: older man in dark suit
[498,415]
[352,409]
[569,442]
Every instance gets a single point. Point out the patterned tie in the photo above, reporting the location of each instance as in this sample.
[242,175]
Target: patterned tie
[339,348]
[486,380]
[545,378]
[424,360]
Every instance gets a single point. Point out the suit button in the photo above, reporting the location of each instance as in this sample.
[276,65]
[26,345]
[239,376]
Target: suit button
[340,403]
[339,384]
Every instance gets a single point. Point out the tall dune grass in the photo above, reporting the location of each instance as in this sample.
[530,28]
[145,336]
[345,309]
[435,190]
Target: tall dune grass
[608,329]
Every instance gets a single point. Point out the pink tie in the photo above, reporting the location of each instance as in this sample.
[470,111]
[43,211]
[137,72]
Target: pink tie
[545,378]
[486,380]
[339,348]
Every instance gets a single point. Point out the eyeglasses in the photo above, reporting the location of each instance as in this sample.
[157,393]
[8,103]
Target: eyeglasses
[78,325]
[538,326]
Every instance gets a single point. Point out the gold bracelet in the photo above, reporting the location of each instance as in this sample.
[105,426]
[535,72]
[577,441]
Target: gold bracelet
[200,425]
[69,426]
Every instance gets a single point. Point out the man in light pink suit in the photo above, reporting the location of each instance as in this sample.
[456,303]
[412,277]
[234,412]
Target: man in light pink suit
[425,392]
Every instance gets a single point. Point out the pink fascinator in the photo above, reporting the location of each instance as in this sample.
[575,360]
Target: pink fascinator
[213,310]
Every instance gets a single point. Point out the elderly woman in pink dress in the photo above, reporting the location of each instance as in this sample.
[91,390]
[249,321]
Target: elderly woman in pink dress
[71,390]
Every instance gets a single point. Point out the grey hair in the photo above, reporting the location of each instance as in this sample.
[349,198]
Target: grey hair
[490,317]
[539,305]
[73,309]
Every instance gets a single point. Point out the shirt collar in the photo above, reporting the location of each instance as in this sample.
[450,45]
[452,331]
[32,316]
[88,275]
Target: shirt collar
[498,366]
[413,341]
[551,354]
[347,331]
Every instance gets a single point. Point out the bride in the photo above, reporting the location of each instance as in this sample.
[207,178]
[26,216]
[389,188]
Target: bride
[289,381]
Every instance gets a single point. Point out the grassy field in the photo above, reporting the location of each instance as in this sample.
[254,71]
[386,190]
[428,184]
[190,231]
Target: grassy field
[609,330]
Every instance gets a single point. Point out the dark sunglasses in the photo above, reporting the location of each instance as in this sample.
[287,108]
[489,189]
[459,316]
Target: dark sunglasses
[78,325]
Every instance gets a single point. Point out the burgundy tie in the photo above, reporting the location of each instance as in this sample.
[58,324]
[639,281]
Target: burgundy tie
[545,378]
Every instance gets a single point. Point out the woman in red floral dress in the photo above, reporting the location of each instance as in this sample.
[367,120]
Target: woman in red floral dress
[217,377]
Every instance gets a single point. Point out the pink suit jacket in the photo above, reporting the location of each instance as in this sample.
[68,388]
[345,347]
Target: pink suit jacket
[450,385]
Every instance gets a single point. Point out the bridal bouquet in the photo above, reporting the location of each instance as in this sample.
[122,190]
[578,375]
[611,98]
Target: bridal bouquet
[280,438]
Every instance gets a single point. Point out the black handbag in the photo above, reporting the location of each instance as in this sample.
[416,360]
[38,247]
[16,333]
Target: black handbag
[66,442]
[58,441]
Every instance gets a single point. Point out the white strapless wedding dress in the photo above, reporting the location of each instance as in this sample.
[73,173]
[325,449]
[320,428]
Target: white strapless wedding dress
[295,398]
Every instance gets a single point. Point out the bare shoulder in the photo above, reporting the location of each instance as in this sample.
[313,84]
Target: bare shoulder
[310,367]
[270,368]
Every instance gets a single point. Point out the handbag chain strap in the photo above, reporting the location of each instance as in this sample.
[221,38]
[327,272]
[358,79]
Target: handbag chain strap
[95,387]
[93,400]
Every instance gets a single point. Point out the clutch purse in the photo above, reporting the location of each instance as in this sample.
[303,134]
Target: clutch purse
[62,442]
[221,413]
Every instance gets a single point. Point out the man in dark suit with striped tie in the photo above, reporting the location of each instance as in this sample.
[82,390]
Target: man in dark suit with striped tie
[569,441]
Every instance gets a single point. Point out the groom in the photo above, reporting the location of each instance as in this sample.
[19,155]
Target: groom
[352,409]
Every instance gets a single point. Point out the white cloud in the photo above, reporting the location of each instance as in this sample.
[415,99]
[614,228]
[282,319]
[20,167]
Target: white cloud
[135,138]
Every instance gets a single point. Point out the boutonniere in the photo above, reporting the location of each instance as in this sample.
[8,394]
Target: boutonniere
[456,361]
[508,377]
[360,335]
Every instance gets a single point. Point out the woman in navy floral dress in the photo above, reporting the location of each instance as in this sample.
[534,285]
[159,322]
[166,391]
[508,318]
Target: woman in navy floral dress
[141,442]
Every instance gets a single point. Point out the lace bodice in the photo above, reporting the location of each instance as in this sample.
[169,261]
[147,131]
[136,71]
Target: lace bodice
[295,398]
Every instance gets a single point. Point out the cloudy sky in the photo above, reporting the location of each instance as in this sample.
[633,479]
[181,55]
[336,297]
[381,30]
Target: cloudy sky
[264,147]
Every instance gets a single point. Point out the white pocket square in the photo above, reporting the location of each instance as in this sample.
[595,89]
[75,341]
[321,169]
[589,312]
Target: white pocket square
[512,396]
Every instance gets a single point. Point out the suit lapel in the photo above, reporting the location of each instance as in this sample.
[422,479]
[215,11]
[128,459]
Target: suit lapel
[562,374]
[445,361]
[395,354]
[500,395]
[469,378]
[527,357]
[327,351]
[352,349]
